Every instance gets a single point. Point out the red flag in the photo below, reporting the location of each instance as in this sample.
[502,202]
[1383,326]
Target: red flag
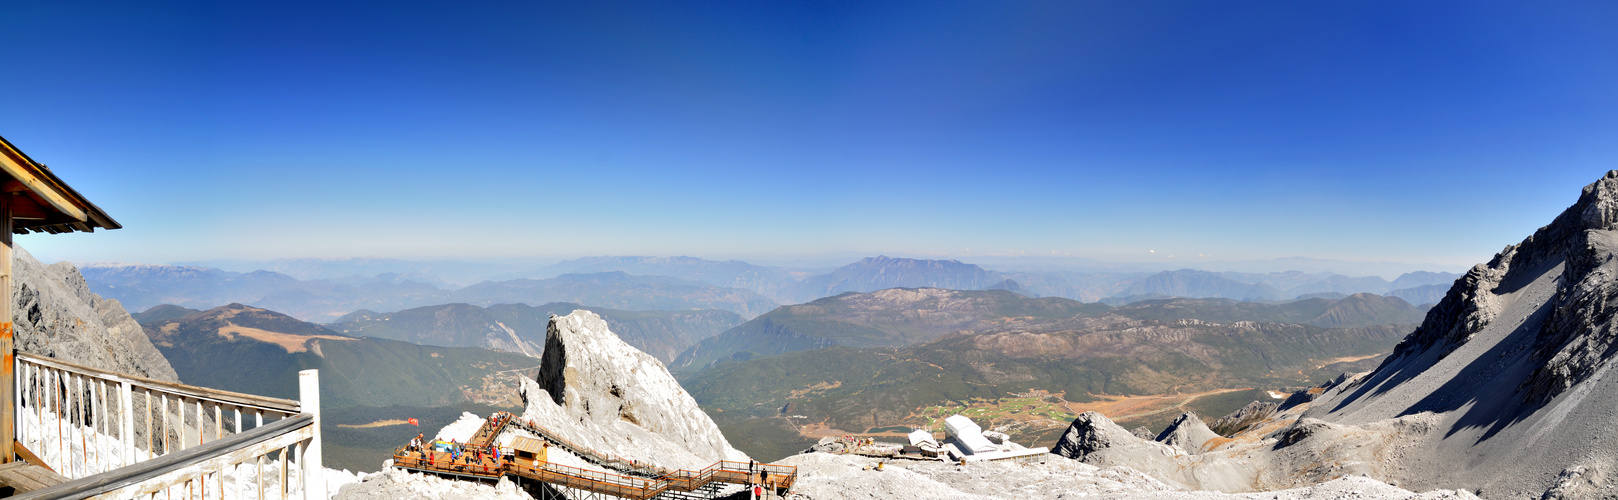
[415,422]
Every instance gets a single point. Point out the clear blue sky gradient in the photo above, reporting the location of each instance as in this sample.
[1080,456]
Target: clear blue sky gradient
[1375,131]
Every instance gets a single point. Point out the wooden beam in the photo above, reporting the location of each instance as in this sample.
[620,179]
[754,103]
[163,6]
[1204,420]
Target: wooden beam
[24,207]
[30,457]
[8,385]
[12,163]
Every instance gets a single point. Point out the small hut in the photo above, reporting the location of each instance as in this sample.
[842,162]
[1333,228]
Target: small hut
[529,451]
[32,199]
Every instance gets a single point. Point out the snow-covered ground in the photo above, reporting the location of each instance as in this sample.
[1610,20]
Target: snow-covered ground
[824,477]
[462,430]
[394,484]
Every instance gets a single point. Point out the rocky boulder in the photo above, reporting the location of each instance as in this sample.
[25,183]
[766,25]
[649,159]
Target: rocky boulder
[1189,433]
[601,393]
[1244,418]
[1096,440]
[1091,433]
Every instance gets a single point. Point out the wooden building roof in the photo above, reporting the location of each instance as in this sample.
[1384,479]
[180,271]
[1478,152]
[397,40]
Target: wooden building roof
[42,202]
[527,444]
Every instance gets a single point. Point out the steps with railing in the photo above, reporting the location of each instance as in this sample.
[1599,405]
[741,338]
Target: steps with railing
[634,481]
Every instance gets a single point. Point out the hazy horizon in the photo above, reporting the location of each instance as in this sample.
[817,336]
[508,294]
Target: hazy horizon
[460,272]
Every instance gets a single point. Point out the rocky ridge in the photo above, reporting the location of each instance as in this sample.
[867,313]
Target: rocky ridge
[1503,390]
[56,315]
[520,328]
[601,393]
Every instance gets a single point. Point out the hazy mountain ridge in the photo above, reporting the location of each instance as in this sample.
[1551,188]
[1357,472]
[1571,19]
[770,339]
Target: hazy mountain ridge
[734,286]
[1425,294]
[766,281]
[1076,359]
[617,290]
[1356,310]
[1197,285]
[1190,283]
[143,286]
[894,317]
[257,351]
[520,328]
[902,317]
[882,272]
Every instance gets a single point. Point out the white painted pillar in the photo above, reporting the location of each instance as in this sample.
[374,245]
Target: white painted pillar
[314,473]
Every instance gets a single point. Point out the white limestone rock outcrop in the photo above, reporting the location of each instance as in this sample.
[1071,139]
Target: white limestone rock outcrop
[601,393]
[56,315]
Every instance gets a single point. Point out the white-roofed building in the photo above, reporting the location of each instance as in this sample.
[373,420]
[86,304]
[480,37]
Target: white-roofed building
[967,435]
[922,437]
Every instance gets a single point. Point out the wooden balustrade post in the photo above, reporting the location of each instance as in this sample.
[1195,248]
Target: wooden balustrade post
[8,405]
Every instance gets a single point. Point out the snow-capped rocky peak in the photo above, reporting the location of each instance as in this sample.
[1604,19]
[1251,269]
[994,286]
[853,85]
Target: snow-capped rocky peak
[600,392]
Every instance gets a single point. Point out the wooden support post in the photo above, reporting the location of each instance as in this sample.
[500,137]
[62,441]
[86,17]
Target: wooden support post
[8,383]
[126,425]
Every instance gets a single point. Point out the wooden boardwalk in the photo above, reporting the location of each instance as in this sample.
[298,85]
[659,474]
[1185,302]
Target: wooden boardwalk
[475,460]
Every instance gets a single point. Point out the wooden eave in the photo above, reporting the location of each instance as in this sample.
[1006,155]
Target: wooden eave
[42,202]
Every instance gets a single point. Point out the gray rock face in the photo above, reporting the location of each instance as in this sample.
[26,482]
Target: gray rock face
[1090,433]
[1188,433]
[1513,361]
[1303,453]
[1096,440]
[56,315]
[1244,418]
[603,394]
[1506,388]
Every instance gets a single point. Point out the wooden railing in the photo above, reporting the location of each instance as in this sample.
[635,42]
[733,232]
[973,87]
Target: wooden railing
[98,427]
[777,478]
[608,460]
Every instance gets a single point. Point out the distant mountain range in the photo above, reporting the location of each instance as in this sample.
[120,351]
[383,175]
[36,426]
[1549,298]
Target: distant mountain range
[850,378]
[685,283]
[768,282]
[520,328]
[617,290]
[882,272]
[1268,287]
[904,317]
[140,287]
[895,317]
[257,351]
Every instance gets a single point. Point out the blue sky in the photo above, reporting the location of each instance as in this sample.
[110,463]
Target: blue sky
[1129,131]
